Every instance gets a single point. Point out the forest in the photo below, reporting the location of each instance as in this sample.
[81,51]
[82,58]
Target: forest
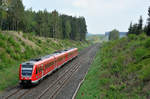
[14,17]
[139,28]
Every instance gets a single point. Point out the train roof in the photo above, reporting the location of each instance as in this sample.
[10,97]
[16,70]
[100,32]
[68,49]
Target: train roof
[33,61]
[61,51]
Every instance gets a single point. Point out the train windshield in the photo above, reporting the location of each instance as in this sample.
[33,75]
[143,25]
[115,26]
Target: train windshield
[27,70]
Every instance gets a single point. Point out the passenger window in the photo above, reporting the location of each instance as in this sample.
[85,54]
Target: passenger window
[36,70]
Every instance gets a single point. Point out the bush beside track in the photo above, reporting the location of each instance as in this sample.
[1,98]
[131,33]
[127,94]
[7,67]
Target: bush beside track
[16,48]
[121,70]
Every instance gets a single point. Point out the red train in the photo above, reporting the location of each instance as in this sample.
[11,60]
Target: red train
[33,71]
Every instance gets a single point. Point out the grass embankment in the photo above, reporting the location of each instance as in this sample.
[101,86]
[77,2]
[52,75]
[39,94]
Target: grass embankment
[16,48]
[121,70]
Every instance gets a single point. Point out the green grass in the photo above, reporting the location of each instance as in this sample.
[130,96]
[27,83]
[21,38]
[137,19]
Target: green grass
[121,70]
[13,51]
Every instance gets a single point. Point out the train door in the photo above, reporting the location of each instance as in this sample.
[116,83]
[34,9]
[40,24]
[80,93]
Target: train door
[55,62]
[42,69]
[66,57]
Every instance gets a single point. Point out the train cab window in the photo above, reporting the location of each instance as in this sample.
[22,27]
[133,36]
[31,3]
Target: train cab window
[27,70]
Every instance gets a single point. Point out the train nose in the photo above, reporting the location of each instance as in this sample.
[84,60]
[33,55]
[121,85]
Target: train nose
[25,82]
[26,78]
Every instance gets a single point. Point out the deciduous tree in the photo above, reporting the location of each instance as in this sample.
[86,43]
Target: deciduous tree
[114,35]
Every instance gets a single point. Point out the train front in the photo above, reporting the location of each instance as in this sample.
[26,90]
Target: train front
[25,73]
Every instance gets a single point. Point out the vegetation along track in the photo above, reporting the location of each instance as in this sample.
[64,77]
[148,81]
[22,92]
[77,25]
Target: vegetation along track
[56,82]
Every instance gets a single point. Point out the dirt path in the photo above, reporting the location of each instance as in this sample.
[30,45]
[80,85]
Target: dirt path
[60,85]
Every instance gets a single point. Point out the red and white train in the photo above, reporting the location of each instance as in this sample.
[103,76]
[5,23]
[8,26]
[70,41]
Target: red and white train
[33,71]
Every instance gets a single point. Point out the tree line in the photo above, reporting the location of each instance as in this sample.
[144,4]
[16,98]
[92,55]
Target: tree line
[138,28]
[13,16]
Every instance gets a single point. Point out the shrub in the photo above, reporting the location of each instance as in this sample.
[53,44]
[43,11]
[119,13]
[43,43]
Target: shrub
[4,57]
[9,50]
[18,50]
[23,43]
[132,37]
[15,56]
[3,37]
[147,43]
[25,36]
[11,40]
[2,43]
[16,45]
[39,41]
[142,36]
[1,67]
[113,87]
[144,73]
[139,53]
[30,38]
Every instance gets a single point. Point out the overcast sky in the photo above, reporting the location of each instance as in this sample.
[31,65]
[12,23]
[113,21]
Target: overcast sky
[100,15]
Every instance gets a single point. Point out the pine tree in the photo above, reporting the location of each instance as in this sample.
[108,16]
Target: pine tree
[130,28]
[3,13]
[148,23]
[55,25]
[38,19]
[140,26]
[136,28]
[16,15]
[83,29]
[67,29]
[0,14]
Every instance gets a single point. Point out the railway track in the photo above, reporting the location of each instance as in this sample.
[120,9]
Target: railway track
[18,93]
[13,94]
[54,87]
[60,80]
